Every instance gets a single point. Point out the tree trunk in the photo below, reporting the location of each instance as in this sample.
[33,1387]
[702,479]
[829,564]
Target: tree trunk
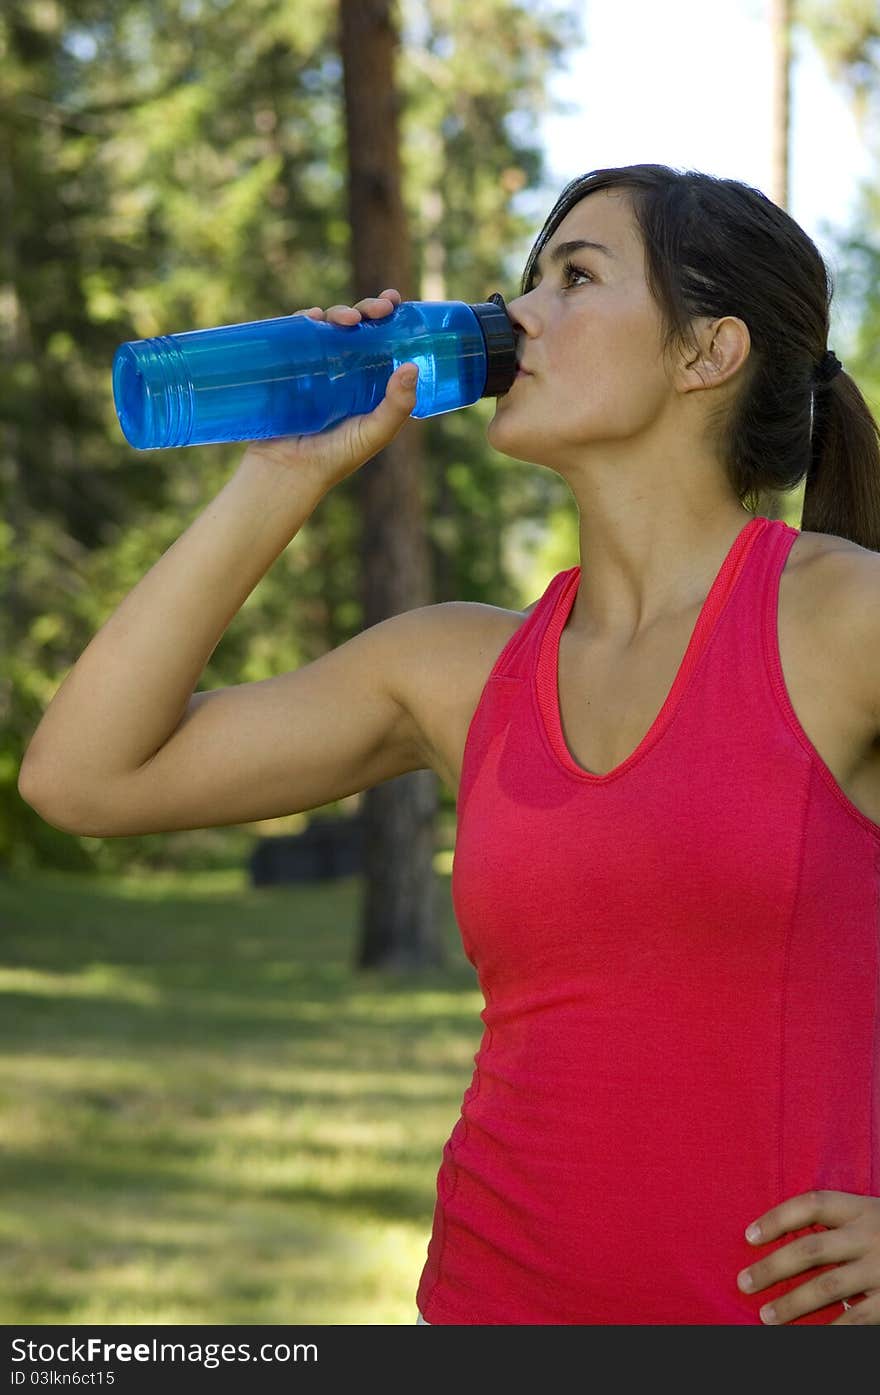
[780,37]
[772,503]
[399,925]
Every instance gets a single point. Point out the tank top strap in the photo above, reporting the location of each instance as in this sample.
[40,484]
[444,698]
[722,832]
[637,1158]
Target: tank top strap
[747,644]
[778,541]
[519,655]
[734,570]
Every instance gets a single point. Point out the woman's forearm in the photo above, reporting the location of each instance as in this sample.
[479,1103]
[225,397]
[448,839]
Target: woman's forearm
[130,688]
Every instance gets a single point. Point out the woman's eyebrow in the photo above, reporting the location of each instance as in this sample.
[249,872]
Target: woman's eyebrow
[562,249]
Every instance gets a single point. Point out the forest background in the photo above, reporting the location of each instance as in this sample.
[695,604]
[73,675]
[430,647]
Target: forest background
[208,1115]
[173,164]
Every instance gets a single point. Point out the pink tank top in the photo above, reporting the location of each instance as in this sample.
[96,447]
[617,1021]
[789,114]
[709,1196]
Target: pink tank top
[679,961]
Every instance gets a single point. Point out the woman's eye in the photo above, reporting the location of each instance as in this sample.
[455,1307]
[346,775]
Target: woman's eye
[569,270]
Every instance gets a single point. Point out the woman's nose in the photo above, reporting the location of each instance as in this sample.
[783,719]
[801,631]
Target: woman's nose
[519,313]
[514,303]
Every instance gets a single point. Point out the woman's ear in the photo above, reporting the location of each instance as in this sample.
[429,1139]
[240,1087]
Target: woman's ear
[724,346]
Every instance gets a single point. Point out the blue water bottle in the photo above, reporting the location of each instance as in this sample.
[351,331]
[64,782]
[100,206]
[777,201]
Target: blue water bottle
[294,376]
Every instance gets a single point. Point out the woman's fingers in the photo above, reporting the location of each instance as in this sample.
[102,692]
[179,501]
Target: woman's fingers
[371,307]
[374,307]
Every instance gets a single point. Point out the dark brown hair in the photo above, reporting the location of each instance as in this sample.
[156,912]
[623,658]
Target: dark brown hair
[716,247]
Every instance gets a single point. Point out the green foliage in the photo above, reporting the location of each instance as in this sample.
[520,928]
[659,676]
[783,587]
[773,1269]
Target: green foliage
[847,35]
[173,165]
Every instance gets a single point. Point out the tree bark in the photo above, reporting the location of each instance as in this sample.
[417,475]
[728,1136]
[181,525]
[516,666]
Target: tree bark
[772,504]
[399,924]
[780,37]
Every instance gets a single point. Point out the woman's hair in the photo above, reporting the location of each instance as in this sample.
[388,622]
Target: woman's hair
[717,247]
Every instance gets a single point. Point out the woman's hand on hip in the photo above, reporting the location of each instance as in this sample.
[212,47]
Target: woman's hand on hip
[849,1243]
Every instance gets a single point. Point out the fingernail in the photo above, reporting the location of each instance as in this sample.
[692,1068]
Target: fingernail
[408,379]
[768,1315]
[746,1282]
[753,1232]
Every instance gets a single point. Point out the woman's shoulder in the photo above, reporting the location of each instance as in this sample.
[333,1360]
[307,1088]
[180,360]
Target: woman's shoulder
[455,633]
[826,560]
[830,545]
[451,649]
[835,578]
[828,568]
[835,587]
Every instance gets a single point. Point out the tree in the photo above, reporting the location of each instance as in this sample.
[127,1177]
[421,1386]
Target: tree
[166,167]
[780,33]
[773,504]
[399,926]
[846,35]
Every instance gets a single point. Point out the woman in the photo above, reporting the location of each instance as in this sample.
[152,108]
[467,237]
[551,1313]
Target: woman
[667,867]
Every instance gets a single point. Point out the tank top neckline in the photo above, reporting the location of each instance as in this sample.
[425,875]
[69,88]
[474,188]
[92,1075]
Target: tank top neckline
[545,687]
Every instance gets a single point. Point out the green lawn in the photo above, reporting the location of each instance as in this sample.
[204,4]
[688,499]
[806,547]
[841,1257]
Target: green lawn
[206,1116]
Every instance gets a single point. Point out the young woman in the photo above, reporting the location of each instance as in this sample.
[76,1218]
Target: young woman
[667,869]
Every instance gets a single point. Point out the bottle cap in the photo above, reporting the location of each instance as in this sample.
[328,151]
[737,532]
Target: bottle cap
[500,339]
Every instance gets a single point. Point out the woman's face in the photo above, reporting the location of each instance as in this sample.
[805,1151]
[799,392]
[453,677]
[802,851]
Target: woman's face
[590,336]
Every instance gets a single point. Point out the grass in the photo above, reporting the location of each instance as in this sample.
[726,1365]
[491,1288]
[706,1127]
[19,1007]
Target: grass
[206,1115]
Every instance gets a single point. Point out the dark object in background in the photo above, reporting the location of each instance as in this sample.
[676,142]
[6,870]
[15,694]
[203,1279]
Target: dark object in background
[328,848]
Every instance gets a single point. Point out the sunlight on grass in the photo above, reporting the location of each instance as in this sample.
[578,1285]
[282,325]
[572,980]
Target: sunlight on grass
[207,1115]
[156,886]
[98,981]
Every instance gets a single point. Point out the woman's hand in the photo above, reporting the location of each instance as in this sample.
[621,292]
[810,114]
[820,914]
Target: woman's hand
[851,1243]
[331,455]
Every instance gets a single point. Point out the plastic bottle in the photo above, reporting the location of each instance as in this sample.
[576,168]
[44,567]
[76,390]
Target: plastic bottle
[295,376]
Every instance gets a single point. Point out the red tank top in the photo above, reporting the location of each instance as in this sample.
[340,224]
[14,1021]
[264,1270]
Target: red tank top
[679,961]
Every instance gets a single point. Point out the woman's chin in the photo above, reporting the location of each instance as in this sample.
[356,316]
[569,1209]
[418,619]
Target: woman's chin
[504,436]
[499,426]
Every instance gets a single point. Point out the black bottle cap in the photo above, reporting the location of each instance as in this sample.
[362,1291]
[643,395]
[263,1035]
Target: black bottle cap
[500,340]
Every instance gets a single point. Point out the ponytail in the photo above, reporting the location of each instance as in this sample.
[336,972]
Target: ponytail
[842,494]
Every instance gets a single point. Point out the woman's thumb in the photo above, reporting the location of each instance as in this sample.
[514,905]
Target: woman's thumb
[399,399]
[370,433]
[407,376]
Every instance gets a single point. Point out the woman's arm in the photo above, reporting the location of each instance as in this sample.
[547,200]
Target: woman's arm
[127,747]
[127,710]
